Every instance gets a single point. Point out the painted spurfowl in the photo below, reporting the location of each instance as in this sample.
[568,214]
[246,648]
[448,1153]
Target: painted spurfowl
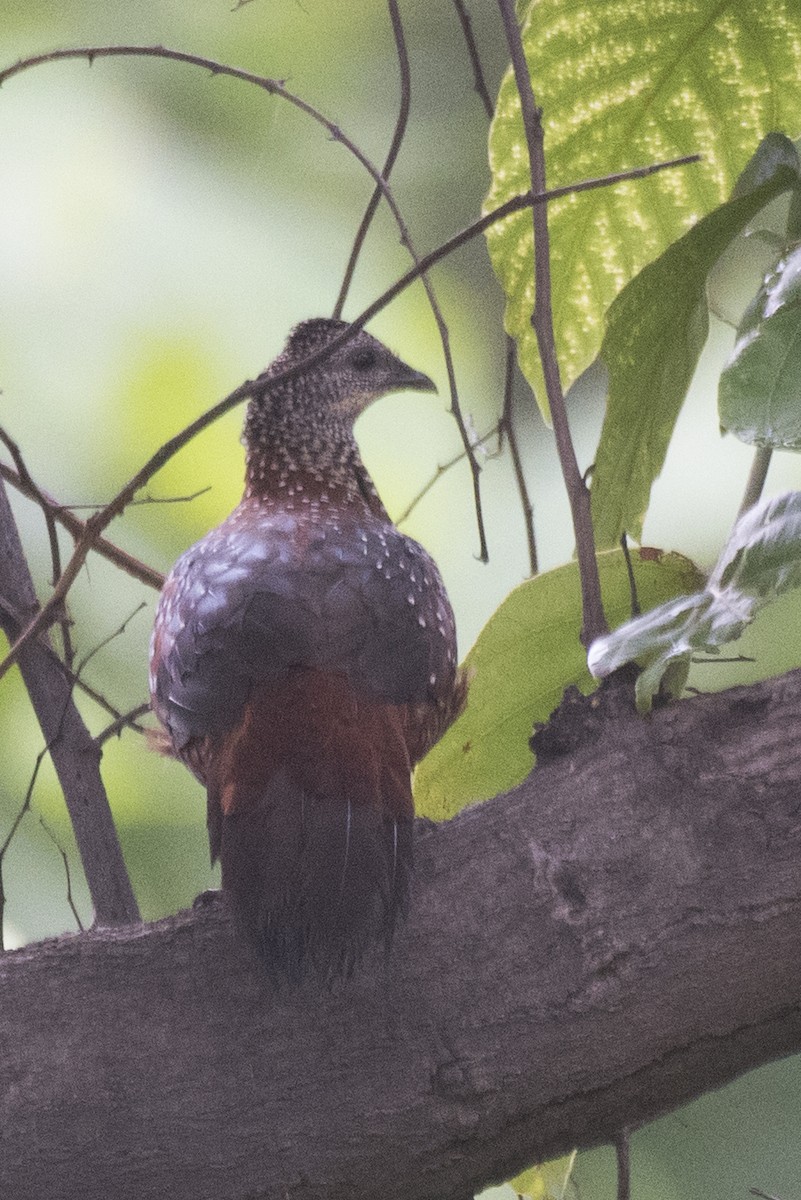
[303,660]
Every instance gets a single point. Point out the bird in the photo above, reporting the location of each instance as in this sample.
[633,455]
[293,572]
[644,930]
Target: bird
[303,660]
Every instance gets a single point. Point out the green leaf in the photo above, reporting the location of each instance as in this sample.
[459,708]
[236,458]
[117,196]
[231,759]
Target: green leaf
[774,151]
[623,83]
[525,657]
[761,560]
[759,397]
[546,1181]
[656,330]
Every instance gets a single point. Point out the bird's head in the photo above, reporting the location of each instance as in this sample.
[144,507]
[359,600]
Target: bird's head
[304,424]
[343,383]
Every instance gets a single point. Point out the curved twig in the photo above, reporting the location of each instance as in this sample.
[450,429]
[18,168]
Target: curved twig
[93,528]
[441,470]
[52,537]
[506,429]
[389,162]
[276,88]
[64,516]
[479,83]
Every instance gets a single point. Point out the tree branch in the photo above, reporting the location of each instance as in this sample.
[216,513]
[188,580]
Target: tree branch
[612,938]
[479,83]
[506,429]
[93,528]
[63,515]
[594,620]
[75,756]
[389,161]
[275,87]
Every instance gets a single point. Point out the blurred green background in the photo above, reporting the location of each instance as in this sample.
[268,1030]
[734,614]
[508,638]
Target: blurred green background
[160,231]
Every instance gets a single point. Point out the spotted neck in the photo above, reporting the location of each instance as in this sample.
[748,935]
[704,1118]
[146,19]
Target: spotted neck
[297,462]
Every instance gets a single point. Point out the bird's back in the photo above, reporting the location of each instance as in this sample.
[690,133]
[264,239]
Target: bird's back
[303,659]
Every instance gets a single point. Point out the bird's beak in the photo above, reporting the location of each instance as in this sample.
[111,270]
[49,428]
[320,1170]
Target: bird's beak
[407,379]
[418,382]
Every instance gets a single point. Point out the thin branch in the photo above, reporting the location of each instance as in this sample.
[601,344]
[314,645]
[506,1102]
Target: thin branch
[144,500]
[75,757]
[634,598]
[506,428]
[275,88]
[594,621]
[756,478]
[87,658]
[389,162]
[475,61]
[441,470]
[15,824]
[93,528]
[65,861]
[120,718]
[124,721]
[76,527]
[75,680]
[717,660]
[514,205]
[52,535]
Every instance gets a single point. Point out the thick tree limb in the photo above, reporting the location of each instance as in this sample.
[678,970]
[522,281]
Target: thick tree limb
[75,755]
[612,938]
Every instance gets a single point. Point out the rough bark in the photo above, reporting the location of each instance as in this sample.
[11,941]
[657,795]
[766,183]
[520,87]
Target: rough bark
[75,755]
[615,936]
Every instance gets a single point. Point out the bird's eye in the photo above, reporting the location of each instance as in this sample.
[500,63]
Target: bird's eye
[363,359]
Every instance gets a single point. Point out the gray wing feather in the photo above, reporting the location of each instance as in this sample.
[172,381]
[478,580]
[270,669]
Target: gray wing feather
[255,599]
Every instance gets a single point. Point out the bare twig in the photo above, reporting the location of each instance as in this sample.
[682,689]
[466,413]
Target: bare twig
[124,721]
[120,718]
[714,660]
[87,658]
[15,824]
[756,478]
[275,88]
[389,162]
[634,598]
[475,61]
[441,470]
[76,527]
[145,500]
[75,680]
[93,528]
[594,621]
[74,754]
[52,535]
[65,861]
[506,428]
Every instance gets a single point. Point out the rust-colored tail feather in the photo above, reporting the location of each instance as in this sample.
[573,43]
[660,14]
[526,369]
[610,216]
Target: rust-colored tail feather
[310,813]
[312,882]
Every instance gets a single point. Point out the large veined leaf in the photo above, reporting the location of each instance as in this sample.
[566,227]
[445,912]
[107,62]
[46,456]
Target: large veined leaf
[525,657]
[656,330]
[759,396]
[761,560]
[623,83]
